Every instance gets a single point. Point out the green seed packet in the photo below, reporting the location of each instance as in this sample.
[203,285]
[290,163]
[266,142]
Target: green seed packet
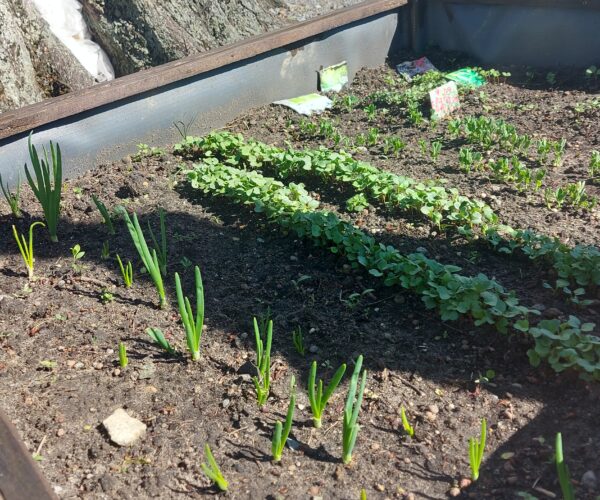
[334,78]
[466,77]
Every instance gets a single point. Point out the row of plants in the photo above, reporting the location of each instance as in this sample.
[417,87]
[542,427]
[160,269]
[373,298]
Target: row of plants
[487,132]
[440,205]
[579,265]
[480,299]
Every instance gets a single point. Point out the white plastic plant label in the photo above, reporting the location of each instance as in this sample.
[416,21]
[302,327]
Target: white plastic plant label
[307,104]
[444,100]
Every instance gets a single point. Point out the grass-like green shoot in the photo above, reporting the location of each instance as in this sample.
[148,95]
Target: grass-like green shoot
[318,399]
[105,253]
[262,381]
[363,494]
[282,432]
[149,259]
[352,408]
[123,359]
[126,271]
[476,448]
[157,335]
[26,247]
[13,198]
[193,326]
[105,214]
[564,478]
[212,471]
[161,250]
[409,429]
[48,184]
[298,341]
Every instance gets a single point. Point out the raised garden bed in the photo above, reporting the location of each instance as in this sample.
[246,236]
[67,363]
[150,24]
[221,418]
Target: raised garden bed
[59,334]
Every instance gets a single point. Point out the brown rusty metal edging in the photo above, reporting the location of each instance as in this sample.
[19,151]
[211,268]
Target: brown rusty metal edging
[20,477]
[50,110]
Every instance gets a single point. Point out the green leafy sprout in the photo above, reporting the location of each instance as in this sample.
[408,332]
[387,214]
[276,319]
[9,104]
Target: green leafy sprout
[262,381]
[126,271]
[282,432]
[318,399]
[105,214]
[564,478]
[12,198]
[26,247]
[476,448]
[123,359]
[149,259]
[352,408]
[298,341]
[212,470]
[193,326]
[157,335]
[409,429]
[48,187]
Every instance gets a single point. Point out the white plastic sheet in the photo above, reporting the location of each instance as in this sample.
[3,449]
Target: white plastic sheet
[67,23]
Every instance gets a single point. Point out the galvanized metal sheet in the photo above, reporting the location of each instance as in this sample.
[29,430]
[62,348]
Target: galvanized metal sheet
[547,34]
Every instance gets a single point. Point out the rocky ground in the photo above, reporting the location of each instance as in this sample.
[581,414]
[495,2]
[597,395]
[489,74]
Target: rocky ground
[136,34]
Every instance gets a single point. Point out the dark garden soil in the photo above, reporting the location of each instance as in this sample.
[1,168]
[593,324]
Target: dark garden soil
[413,359]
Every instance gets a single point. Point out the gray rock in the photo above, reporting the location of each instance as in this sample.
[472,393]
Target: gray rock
[147,371]
[123,429]
[589,480]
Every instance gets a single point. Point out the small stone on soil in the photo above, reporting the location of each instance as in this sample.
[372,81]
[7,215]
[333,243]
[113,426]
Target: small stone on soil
[123,429]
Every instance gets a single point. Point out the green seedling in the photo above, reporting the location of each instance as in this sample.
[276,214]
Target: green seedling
[161,250]
[594,167]
[409,429]
[476,448]
[26,248]
[126,271]
[105,253]
[318,399]
[105,214]
[149,259]
[564,478]
[282,432]
[298,341]
[436,149]
[193,325]
[262,381]
[145,151]
[351,410]
[106,297]
[212,471]
[77,254]
[394,145]
[48,187]
[157,335]
[12,198]
[370,111]
[123,359]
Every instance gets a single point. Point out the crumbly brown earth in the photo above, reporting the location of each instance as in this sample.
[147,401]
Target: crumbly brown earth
[413,359]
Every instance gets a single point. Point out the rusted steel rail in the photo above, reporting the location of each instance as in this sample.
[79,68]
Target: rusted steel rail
[20,477]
